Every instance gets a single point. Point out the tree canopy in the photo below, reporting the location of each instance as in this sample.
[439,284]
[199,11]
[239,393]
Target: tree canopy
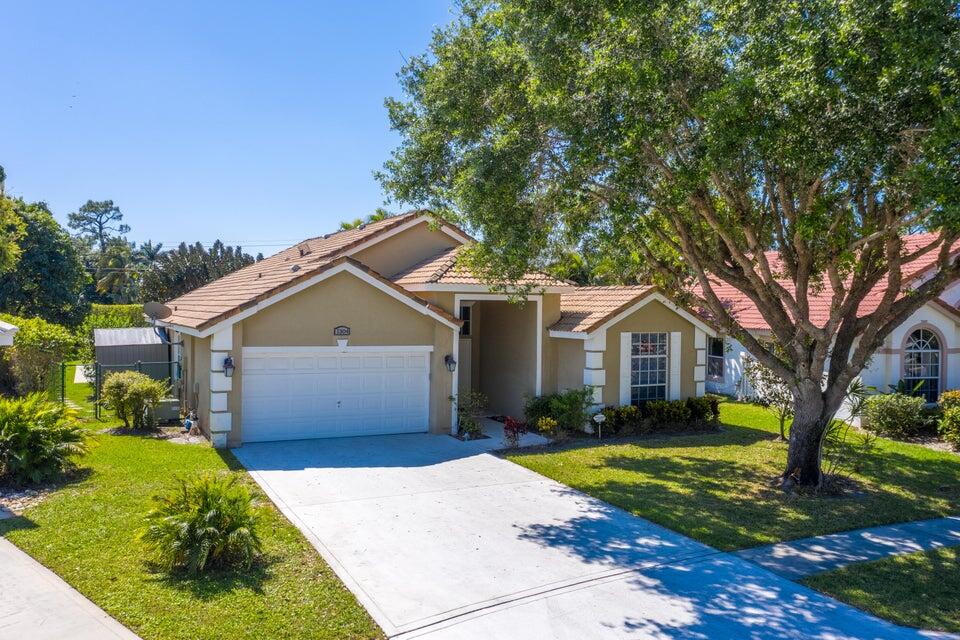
[96,221]
[177,272]
[49,278]
[692,136]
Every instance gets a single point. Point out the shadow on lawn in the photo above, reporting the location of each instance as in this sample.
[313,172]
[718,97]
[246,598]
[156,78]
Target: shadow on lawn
[733,504]
[217,582]
[16,523]
[676,588]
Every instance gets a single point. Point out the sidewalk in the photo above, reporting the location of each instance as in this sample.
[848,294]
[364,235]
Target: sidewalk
[35,604]
[800,558]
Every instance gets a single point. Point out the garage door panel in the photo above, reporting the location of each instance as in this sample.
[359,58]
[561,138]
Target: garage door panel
[295,395]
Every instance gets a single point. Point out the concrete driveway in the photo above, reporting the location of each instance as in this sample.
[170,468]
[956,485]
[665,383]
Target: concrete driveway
[440,539]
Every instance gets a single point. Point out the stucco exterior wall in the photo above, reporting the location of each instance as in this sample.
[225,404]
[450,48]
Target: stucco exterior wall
[886,366]
[570,363]
[309,317]
[507,365]
[551,356]
[652,317]
[201,381]
[405,249]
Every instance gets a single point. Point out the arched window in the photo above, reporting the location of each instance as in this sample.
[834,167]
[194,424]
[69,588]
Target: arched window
[921,363]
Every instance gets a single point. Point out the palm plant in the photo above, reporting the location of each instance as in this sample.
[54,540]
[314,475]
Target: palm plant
[204,522]
[38,438]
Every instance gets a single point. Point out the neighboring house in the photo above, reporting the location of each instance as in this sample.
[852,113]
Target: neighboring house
[135,349]
[373,330]
[924,350]
[7,333]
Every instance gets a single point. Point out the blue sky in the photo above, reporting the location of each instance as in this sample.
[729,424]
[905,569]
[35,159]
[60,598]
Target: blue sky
[253,122]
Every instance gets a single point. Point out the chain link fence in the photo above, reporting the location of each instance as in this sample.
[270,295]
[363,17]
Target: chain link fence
[80,384]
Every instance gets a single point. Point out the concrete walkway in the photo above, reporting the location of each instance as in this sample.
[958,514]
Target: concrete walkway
[800,558]
[441,540]
[35,604]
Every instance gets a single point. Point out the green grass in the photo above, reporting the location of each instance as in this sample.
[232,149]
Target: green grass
[80,393]
[720,487]
[916,590]
[85,533]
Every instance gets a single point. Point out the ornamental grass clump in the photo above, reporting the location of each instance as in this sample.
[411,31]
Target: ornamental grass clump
[38,439]
[209,521]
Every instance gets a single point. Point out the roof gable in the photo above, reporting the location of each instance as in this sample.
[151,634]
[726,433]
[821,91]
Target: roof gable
[246,287]
[443,269]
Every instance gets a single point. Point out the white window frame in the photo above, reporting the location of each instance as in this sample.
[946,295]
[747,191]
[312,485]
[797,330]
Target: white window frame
[663,339]
[907,352]
[722,358]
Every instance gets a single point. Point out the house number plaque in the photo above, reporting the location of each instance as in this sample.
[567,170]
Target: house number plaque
[341,331]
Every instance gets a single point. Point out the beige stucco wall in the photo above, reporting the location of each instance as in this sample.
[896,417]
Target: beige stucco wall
[308,318]
[507,364]
[551,354]
[570,363]
[201,380]
[235,396]
[654,317]
[405,249]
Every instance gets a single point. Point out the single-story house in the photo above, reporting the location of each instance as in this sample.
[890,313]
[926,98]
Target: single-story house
[373,330]
[924,350]
[7,333]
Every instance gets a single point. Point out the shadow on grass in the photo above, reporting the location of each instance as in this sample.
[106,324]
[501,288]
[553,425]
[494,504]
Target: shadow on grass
[733,501]
[16,523]
[687,590]
[216,582]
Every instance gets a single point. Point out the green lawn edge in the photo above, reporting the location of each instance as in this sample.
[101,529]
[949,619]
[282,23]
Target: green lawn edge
[85,532]
[915,590]
[720,488]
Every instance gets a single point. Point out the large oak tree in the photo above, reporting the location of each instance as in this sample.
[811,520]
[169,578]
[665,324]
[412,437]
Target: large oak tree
[692,136]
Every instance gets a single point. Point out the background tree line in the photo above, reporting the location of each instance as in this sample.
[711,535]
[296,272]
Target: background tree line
[48,272]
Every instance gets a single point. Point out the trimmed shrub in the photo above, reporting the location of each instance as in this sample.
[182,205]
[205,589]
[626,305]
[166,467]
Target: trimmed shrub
[537,407]
[204,522]
[570,408]
[700,410]
[38,347]
[38,439]
[894,415]
[950,399]
[625,419]
[548,426]
[950,426]
[667,412]
[714,401]
[132,396]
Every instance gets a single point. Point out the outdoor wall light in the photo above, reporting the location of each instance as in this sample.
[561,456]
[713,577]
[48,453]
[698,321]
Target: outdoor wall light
[228,367]
[450,362]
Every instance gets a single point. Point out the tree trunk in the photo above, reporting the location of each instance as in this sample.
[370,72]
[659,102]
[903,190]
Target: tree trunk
[811,418]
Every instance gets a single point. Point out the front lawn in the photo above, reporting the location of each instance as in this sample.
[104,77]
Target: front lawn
[85,533]
[917,590]
[718,488]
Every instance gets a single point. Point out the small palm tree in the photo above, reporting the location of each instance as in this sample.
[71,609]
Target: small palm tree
[204,522]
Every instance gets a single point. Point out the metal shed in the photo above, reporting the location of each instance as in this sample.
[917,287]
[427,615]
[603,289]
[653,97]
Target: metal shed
[124,348]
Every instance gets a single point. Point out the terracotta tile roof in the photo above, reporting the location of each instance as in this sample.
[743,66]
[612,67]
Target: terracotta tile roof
[746,312]
[245,287]
[585,308]
[443,269]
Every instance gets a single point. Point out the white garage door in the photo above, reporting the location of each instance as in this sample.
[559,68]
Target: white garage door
[316,393]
